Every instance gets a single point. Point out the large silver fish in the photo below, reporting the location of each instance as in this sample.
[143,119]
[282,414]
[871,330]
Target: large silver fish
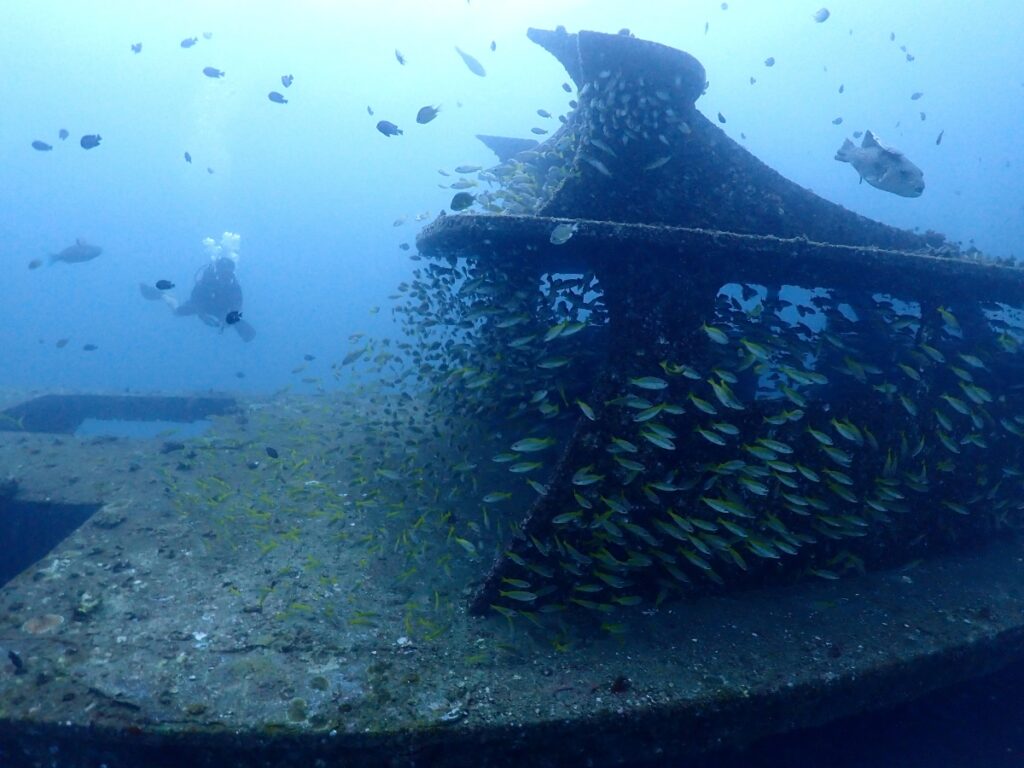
[79,252]
[882,167]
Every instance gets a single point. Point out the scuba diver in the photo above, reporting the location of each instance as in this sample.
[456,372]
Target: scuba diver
[216,297]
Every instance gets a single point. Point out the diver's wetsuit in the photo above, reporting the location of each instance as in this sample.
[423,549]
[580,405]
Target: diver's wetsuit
[215,294]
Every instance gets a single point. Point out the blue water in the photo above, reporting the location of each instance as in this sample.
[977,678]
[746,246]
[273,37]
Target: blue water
[315,191]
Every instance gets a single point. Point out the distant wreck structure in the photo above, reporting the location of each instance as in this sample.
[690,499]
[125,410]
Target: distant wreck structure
[709,376]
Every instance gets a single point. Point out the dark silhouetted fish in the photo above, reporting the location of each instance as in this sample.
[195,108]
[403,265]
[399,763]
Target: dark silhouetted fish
[42,146]
[232,317]
[63,134]
[164,285]
[399,57]
[213,72]
[277,98]
[770,61]
[90,140]
[822,15]
[136,47]
[61,343]
[287,80]
[77,253]
[388,128]
[188,158]
[369,110]
[90,347]
[426,114]
[474,66]
[271,452]
[188,42]
[462,201]
[35,264]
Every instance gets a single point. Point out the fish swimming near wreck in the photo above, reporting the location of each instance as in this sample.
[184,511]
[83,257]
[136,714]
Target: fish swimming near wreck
[882,167]
[77,253]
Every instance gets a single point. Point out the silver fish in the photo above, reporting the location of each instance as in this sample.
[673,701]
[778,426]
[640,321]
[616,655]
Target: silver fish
[882,167]
[77,253]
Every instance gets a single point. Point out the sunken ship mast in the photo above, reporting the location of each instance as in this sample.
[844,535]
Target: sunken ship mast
[723,435]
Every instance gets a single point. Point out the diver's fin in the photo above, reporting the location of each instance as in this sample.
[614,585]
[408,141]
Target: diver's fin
[149,292]
[245,330]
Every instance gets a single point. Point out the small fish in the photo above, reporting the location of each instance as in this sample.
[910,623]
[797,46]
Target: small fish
[882,167]
[213,72]
[35,264]
[562,233]
[721,117]
[842,88]
[188,158]
[188,42]
[717,335]
[532,444]
[76,254]
[837,121]
[770,61]
[938,139]
[399,57]
[209,170]
[539,131]
[272,452]
[164,285]
[63,134]
[461,201]
[649,382]
[566,87]
[287,80]
[232,317]
[90,140]
[426,114]
[916,95]
[474,66]
[369,110]
[136,47]
[277,98]
[89,347]
[388,128]
[494,46]
[42,146]
[821,15]
[468,168]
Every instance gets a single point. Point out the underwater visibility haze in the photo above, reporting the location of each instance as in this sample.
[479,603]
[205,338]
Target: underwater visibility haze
[562,384]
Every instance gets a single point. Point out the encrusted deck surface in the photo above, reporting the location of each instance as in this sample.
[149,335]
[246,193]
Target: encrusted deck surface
[188,622]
